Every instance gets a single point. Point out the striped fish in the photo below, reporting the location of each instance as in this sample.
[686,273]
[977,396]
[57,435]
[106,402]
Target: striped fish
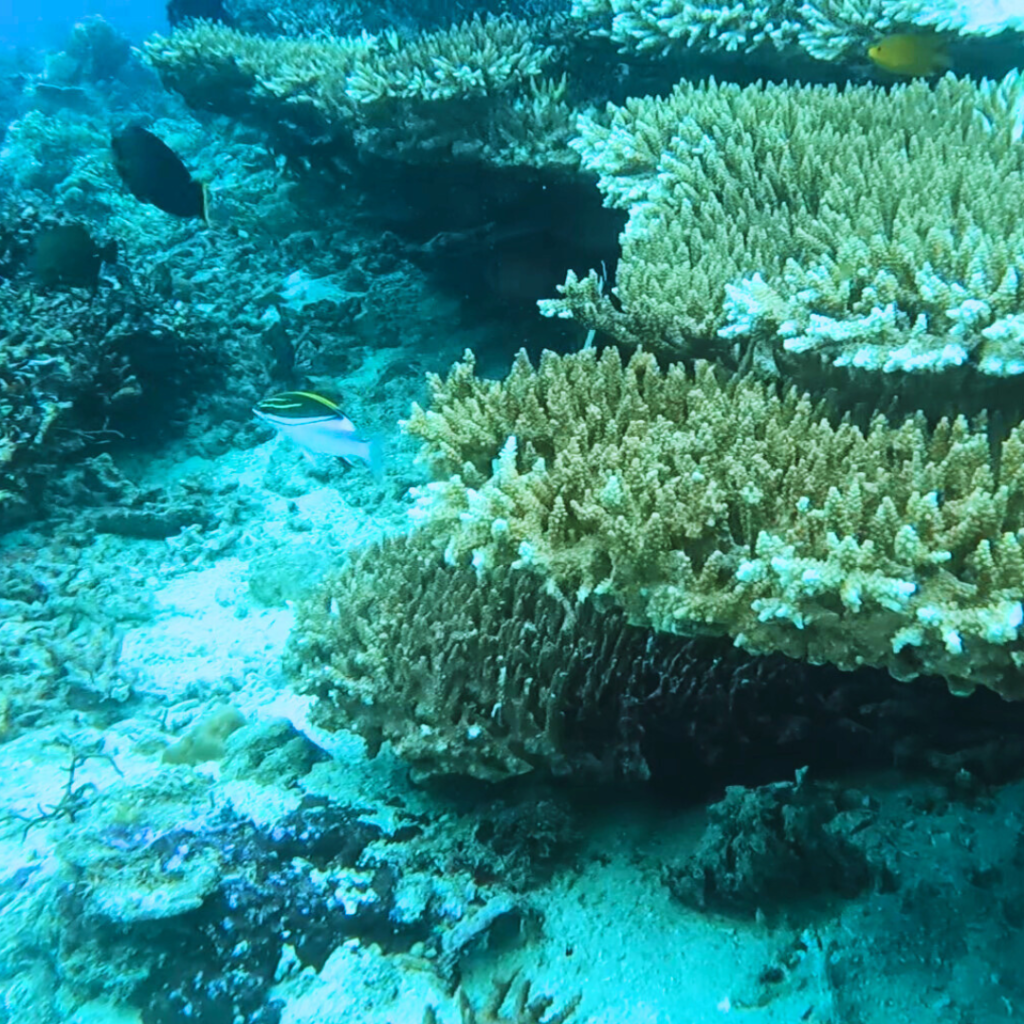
[319,427]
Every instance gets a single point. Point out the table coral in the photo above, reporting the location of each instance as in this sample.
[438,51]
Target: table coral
[702,504]
[827,30]
[867,229]
[473,91]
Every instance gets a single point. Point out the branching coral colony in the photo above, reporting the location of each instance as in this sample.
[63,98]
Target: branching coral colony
[495,675]
[734,507]
[787,229]
[824,29]
[475,91]
[863,229]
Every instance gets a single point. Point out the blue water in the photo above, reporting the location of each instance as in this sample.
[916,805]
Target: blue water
[252,774]
[46,24]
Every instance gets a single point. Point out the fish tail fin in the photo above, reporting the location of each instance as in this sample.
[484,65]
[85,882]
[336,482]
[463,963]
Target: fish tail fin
[376,459]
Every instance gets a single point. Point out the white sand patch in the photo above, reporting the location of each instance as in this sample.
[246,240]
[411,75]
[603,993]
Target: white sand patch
[200,647]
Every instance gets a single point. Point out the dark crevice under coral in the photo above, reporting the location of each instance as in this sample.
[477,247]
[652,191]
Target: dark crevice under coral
[495,678]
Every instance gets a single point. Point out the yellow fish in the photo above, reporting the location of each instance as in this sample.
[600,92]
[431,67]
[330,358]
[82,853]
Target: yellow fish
[913,55]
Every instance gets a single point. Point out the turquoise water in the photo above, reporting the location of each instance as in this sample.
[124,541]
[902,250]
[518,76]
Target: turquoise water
[252,775]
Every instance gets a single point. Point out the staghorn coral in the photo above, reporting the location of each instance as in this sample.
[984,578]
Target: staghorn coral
[874,230]
[980,18]
[728,507]
[472,91]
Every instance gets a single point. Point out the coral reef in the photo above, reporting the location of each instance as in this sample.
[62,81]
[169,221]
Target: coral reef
[166,346]
[703,505]
[827,30]
[64,157]
[793,225]
[162,895]
[472,92]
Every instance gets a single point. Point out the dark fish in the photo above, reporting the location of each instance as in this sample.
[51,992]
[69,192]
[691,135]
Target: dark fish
[155,174]
[66,254]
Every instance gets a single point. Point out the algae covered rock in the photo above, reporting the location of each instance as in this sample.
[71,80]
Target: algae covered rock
[769,847]
[287,574]
[205,741]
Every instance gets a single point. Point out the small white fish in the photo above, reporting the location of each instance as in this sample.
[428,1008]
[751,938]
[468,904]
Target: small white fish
[319,427]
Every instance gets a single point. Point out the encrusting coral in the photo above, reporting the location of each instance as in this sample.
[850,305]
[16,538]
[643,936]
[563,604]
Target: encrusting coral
[730,507]
[472,91]
[873,230]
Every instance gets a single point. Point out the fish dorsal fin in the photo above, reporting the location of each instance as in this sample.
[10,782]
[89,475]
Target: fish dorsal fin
[318,400]
[299,404]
